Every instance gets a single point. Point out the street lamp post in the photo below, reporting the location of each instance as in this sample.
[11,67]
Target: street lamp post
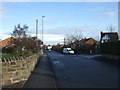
[42,29]
[36,34]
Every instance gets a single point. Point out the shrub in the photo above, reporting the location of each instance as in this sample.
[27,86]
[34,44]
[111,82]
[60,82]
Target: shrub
[8,50]
[110,48]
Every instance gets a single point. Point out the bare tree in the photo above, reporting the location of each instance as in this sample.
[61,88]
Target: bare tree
[70,38]
[77,35]
[111,28]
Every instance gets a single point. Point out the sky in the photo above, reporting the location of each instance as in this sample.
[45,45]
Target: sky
[61,18]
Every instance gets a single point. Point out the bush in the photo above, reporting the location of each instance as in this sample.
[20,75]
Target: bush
[8,50]
[110,48]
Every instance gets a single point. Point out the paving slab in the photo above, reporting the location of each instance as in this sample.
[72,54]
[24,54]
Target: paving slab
[42,76]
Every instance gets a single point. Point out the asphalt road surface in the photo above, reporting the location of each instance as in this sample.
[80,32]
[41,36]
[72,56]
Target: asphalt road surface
[80,71]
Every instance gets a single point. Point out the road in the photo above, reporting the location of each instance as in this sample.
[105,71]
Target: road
[80,71]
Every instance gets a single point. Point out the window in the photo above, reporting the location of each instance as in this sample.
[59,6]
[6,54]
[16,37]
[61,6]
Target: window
[106,38]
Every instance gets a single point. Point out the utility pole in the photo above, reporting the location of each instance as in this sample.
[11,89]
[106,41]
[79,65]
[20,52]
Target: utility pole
[36,34]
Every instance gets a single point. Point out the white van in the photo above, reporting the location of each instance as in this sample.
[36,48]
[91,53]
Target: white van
[68,51]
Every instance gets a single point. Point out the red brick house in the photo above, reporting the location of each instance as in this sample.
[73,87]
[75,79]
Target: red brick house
[6,42]
[86,43]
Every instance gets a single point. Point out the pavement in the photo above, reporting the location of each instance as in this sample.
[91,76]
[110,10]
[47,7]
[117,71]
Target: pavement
[42,76]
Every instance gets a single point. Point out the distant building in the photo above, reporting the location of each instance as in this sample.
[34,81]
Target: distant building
[6,42]
[83,43]
[108,36]
[90,41]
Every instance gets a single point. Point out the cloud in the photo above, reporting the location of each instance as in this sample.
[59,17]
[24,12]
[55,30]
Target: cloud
[4,16]
[3,36]
[60,0]
[51,38]
[107,15]
[84,31]
[114,25]
[111,14]
[69,30]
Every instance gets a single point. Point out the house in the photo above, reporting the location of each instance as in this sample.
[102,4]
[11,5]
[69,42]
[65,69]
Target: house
[83,43]
[6,42]
[108,36]
[90,41]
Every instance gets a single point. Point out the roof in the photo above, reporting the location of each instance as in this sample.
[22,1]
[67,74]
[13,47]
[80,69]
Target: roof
[85,40]
[90,41]
[6,42]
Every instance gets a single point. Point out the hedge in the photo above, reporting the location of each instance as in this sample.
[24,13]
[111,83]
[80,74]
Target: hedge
[58,49]
[112,48]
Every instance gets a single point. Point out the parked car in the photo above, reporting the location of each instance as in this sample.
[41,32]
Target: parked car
[68,51]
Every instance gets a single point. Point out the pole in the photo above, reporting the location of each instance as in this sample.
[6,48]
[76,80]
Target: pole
[37,34]
[64,41]
[42,29]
